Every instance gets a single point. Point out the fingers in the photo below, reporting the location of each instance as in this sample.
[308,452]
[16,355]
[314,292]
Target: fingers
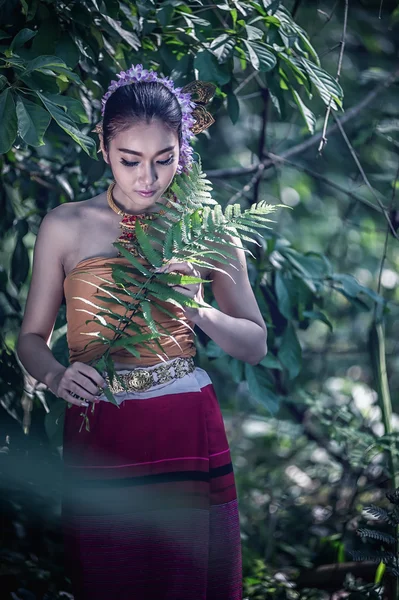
[81,384]
[82,392]
[91,373]
[184,267]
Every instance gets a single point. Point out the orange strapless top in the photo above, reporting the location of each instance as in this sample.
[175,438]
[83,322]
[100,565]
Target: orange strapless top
[81,283]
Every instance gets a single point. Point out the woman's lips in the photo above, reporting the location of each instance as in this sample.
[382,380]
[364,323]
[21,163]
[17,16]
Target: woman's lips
[146,194]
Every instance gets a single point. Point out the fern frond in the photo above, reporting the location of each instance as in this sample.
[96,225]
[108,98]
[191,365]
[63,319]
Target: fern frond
[115,297]
[186,228]
[241,227]
[152,255]
[177,236]
[179,279]
[133,351]
[172,315]
[90,303]
[196,223]
[376,535]
[132,340]
[168,294]
[393,497]
[194,189]
[382,514]
[212,254]
[168,244]
[132,259]
[146,308]
[97,317]
[111,301]
[373,555]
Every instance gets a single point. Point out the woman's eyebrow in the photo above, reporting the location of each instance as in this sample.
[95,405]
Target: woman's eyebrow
[140,154]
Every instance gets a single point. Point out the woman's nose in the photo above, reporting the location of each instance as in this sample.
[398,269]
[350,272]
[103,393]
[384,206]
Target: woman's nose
[147,175]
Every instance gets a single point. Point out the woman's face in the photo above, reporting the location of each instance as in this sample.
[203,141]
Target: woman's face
[144,157]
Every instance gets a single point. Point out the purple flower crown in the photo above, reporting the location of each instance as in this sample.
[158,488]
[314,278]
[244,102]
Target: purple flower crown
[137,73]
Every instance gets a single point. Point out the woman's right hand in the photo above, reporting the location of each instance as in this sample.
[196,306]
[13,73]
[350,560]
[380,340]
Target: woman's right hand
[80,379]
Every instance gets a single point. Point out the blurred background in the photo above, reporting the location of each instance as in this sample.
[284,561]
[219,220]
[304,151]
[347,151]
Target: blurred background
[307,116]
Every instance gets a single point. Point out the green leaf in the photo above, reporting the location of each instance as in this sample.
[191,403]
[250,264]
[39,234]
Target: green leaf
[8,120]
[316,314]
[290,353]
[208,69]
[21,38]
[129,37]
[271,362]
[259,388]
[253,33]
[146,308]
[236,370]
[152,255]
[328,88]
[283,296]
[261,57]
[44,63]
[33,121]
[73,107]
[223,47]
[306,113]
[233,107]
[168,294]
[19,264]
[87,143]
[109,395]
[133,340]
[132,259]
[353,288]
[271,5]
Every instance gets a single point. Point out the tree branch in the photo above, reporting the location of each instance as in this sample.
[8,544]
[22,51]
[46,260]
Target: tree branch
[365,178]
[329,182]
[323,140]
[262,139]
[306,144]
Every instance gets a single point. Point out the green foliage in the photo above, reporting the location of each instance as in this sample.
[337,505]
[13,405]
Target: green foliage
[39,62]
[387,551]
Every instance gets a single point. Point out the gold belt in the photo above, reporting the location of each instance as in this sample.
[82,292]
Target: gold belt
[140,379]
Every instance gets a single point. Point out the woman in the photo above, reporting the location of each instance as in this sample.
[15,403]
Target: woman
[150,505]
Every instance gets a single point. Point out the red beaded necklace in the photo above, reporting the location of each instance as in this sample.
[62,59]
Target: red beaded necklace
[128,222]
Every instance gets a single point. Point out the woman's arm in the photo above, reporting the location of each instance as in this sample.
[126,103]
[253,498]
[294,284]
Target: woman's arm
[43,302]
[237,327]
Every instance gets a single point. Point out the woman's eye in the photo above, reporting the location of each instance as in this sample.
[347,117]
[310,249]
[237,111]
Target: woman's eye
[126,163]
[166,162]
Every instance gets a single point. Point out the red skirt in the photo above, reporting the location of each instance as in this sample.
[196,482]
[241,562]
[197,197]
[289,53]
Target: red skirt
[150,505]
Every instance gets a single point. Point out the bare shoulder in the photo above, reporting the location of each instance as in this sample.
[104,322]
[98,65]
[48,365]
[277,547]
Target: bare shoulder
[66,223]
[75,210]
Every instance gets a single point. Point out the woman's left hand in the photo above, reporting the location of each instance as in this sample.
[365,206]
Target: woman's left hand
[192,290]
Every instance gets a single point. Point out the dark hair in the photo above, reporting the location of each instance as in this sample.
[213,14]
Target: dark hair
[140,102]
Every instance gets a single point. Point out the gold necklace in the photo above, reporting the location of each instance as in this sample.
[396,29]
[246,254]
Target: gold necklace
[119,211]
[128,222]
